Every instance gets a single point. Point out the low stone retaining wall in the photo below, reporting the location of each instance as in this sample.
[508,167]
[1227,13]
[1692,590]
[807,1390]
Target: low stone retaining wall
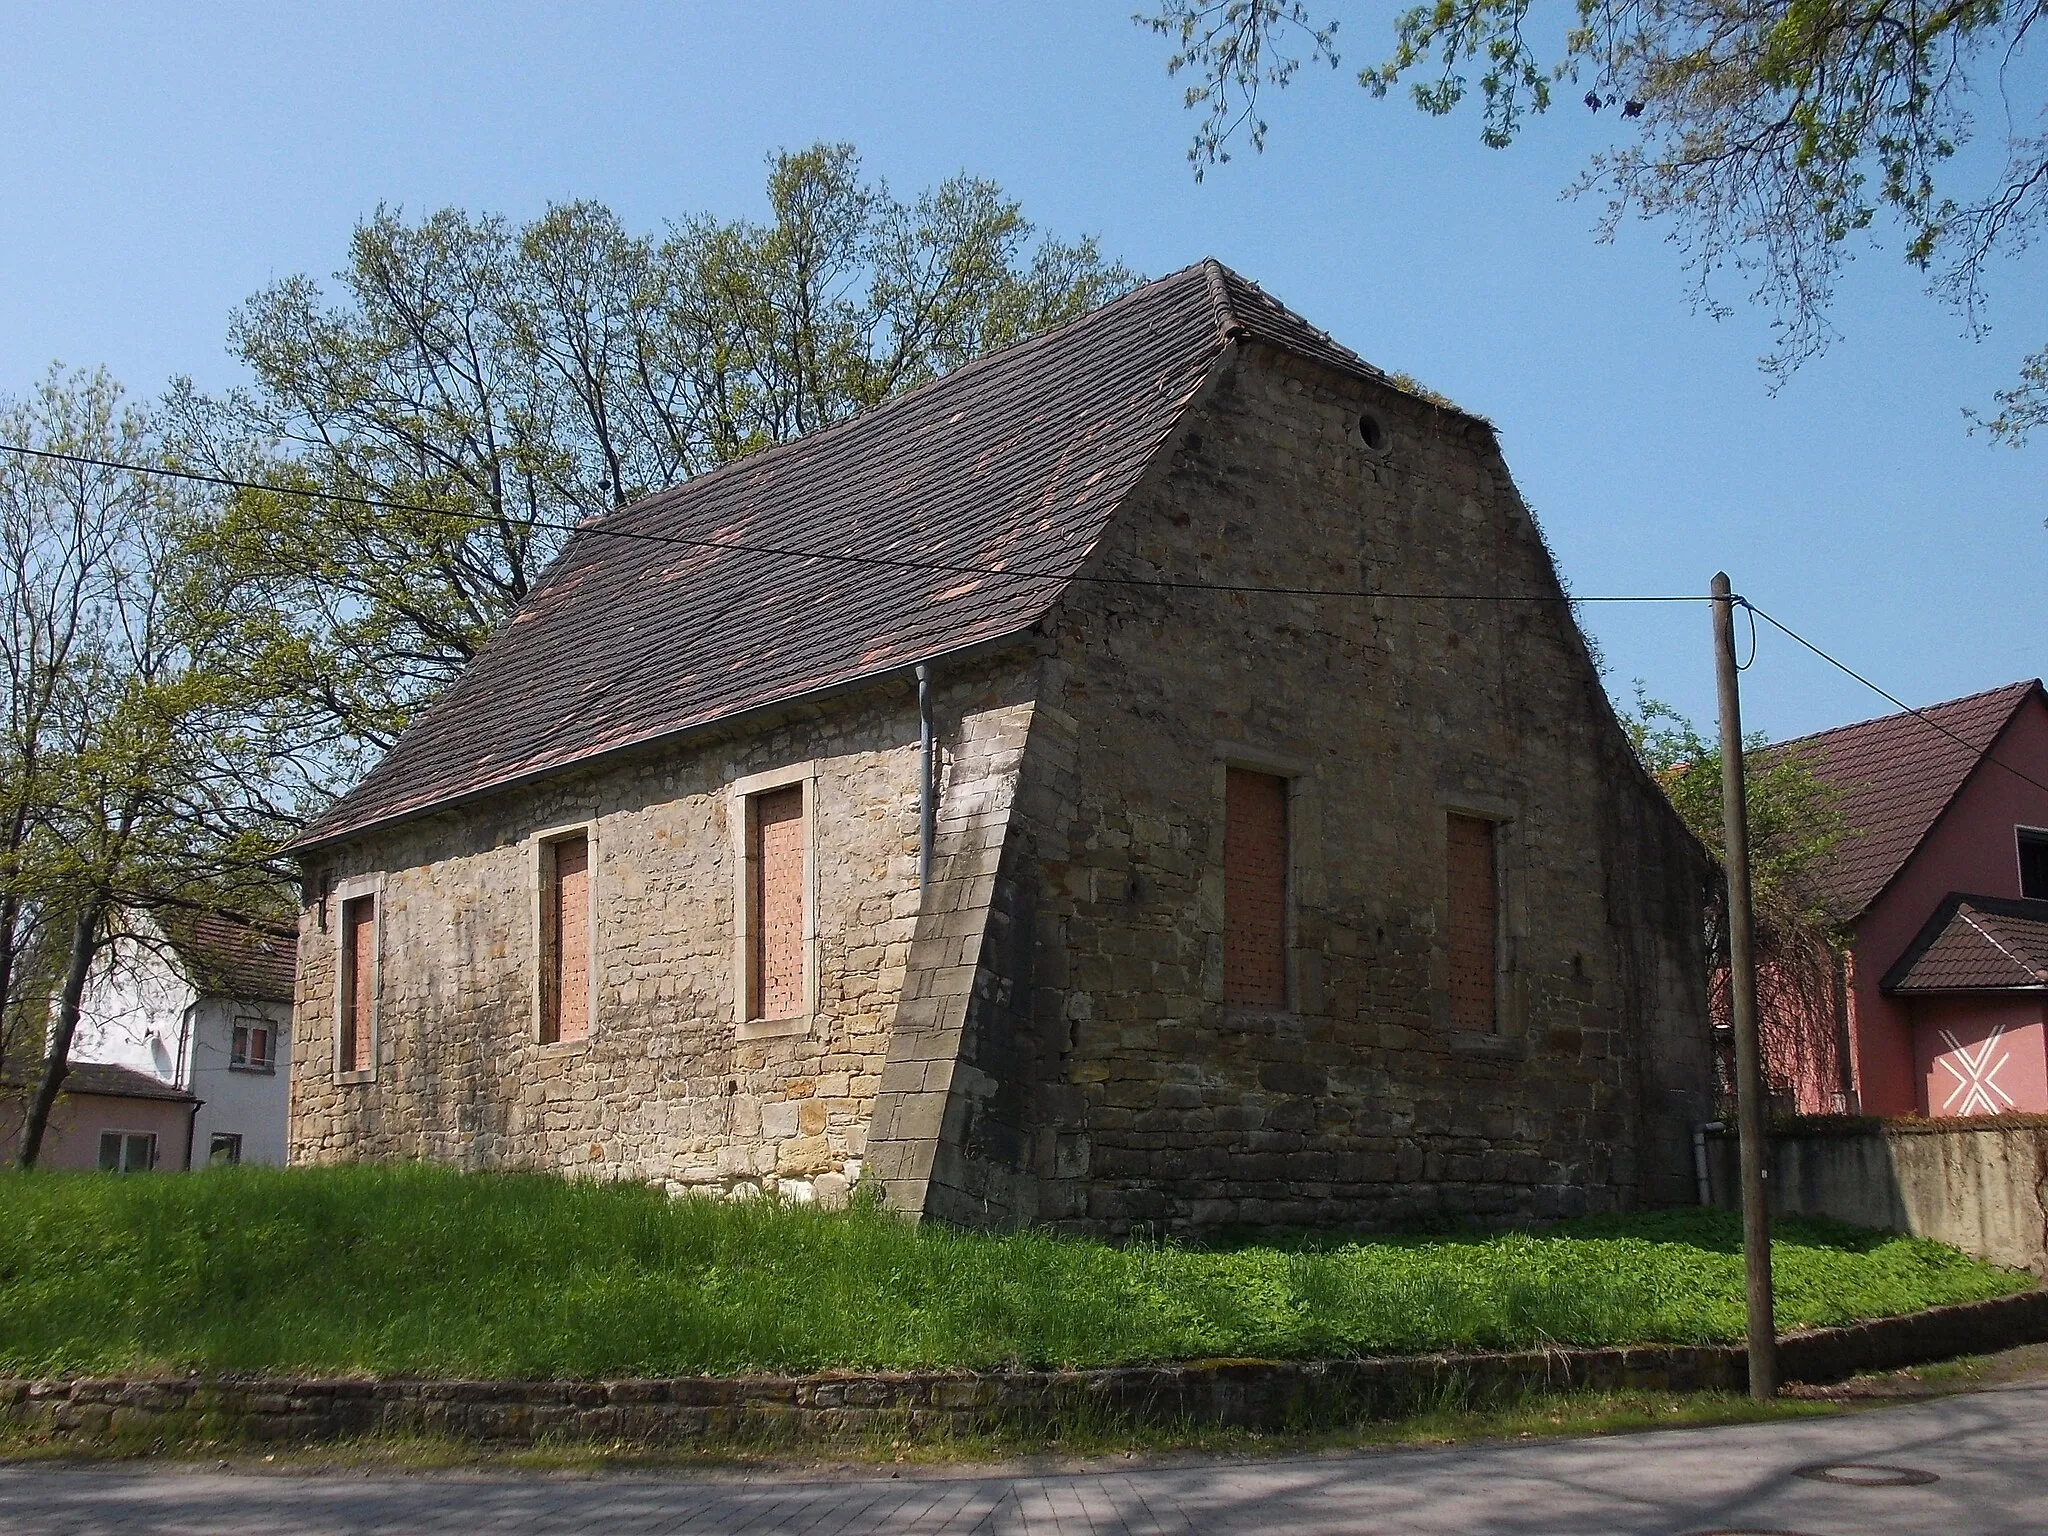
[1250,1394]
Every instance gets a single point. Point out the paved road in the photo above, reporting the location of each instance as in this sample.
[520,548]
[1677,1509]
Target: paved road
[1988,1452]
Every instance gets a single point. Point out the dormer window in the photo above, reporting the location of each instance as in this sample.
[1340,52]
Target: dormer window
[2033,863]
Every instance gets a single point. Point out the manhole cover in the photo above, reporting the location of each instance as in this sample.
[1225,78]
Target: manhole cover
[1860,1474]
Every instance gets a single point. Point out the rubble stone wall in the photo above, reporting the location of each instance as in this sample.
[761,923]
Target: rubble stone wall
[662,1090]
[1116,1090]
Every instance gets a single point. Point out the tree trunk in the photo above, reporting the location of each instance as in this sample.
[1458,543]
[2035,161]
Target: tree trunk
[57,1058]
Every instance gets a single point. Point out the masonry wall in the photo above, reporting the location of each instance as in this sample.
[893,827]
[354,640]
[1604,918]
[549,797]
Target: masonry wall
[1972,848]
[1113,1089]
[71,1140]
[662,1090]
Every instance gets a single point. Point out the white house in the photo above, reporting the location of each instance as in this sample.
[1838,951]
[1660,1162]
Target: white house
[201,1001]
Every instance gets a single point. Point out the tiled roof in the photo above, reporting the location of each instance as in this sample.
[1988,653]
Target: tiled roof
[102,1078]
[1897,775]
[1975,943]
[1014,462]
[236,957]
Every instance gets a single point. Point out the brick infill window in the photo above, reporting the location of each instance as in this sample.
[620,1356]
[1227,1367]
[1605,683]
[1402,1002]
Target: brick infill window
[1254,889]
[774,828]
[565,938]
[1473,934]
[359,933]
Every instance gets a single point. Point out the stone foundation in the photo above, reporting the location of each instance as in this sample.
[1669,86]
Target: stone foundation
[1243,1394]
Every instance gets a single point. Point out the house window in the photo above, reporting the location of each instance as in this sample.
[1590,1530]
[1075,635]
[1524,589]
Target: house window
[566,918]
[127,1151]
[1254,889]
[224,1151]
[2033,864]
[358,985]
[1474,929]
[775,903]
[254,1048]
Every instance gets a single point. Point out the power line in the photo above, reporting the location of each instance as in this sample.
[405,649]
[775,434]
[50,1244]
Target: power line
[891,562]
[1922,716]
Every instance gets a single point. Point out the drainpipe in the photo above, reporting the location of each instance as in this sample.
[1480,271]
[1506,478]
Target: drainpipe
[1699,1159]
[927,812]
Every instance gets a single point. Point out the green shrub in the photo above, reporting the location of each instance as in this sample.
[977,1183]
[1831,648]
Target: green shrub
[407,1269]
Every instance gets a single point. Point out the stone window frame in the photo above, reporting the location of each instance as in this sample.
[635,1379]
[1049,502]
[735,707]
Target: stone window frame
[540,867]
[741,797]
[343,893]
[1304,867]
[1509,924]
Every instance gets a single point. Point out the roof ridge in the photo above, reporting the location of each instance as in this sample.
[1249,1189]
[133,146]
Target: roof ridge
[1906,714]
[1229,324]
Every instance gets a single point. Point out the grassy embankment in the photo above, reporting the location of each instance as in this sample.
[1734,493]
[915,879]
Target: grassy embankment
[417,1271]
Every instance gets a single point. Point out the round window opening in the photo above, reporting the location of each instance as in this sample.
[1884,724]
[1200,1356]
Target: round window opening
[1372,434]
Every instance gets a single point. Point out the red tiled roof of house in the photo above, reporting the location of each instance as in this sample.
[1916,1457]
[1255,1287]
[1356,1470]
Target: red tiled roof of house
[1976,943]
[1014,462]
[229,956]
[1897,774]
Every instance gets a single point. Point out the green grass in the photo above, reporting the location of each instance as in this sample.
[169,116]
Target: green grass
[400,1269]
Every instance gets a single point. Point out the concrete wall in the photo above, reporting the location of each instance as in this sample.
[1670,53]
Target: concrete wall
[1979,1187]
[1113,1089]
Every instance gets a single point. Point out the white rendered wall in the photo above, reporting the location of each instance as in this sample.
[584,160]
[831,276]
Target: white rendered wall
[234,1100]
[133,1013]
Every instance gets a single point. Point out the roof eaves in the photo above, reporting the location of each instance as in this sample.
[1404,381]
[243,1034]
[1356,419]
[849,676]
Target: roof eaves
[1945,912]
[303,846]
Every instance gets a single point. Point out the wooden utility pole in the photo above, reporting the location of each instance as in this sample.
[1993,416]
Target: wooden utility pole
[1751,1128]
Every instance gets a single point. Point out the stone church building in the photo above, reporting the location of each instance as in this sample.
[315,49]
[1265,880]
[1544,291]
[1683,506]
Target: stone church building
[1149,778]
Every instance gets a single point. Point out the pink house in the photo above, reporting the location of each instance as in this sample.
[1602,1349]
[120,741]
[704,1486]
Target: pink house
[1945,875]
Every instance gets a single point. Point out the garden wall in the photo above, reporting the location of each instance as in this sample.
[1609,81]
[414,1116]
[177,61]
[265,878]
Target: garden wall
[1250,1394]
[1980,1185]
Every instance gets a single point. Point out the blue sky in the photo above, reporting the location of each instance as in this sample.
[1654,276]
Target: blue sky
[159,163]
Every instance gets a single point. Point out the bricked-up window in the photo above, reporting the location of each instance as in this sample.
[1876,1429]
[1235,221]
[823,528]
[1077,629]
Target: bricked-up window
[1254,889]
[1474,935]
[565,940]
[358,982]
[775,970]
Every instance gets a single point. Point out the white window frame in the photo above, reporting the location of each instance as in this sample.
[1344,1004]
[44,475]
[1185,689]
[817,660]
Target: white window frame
[127,1138]
[741,796]
[541,867]
[213,1142]
[343,893]
[246,1022]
